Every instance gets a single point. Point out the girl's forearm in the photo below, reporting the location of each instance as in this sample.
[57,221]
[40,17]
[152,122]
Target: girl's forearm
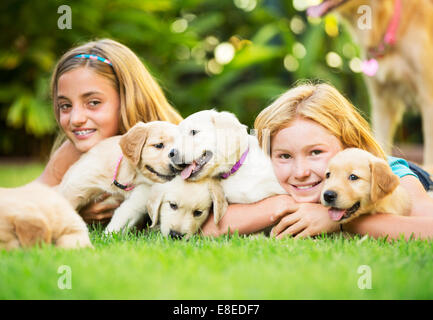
[243,218]
[383,224]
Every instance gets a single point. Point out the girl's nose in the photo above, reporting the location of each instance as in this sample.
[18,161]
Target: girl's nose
[78,116]
[301,169]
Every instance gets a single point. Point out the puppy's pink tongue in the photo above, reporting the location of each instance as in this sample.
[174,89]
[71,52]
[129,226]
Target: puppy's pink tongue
[185,174]
[336,214]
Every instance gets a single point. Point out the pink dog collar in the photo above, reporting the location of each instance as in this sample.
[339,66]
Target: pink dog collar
[127,187]
[236,166]
[370,66]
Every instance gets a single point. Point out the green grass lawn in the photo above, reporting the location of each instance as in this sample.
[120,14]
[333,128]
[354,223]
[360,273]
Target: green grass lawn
[148,266]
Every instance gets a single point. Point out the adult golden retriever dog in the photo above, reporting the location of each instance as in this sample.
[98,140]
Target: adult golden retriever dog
[35,214]
[124,166]
[358,183]
[398,52]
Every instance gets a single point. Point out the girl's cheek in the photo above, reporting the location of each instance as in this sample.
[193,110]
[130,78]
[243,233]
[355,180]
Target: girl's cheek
[63,120]
[282,171]
[319,167]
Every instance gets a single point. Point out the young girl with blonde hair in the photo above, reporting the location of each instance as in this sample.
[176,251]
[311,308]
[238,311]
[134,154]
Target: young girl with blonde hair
[99,89]
[302,130]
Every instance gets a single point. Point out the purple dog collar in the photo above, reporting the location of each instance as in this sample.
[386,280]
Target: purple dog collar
[236,166]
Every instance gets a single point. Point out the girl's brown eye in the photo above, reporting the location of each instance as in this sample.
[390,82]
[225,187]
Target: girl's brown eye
[173,206]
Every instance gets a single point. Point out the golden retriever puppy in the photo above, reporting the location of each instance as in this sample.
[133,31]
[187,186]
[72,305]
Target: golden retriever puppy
[36,213]
[182,206]
[125,166]
[216,145]
[397,49]
[357,183]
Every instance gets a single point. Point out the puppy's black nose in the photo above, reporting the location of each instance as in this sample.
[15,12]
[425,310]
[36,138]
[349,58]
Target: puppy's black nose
[175,235]
[330,196]
[173,153]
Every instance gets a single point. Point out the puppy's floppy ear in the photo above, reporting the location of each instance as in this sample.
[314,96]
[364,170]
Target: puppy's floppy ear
[219,200]
[32,229]
[383,180]
[132,142]
[153,204]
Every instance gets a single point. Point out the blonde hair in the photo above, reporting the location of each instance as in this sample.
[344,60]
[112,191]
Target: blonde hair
[141,98]
[323,104]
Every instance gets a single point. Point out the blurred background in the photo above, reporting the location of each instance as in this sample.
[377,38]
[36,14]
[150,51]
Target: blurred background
[235,55]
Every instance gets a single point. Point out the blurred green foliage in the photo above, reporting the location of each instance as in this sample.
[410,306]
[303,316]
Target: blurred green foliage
[274,46]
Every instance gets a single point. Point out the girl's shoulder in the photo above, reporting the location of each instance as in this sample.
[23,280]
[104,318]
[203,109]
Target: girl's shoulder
[400,167]
[59,162]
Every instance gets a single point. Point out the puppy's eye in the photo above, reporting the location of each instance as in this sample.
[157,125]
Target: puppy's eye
[328,174]
[193,132]
[159,145]
[197,213]
[353,177]
[173,206]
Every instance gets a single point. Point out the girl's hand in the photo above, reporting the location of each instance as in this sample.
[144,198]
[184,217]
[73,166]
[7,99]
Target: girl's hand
[309,220]
[101,211]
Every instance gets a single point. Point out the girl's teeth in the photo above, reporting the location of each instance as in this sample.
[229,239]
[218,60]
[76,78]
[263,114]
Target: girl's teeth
[305,187]
[80,133]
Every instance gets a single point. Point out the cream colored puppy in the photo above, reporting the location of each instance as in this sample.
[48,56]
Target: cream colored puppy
[125,166]
[216,145]
[358,183]
[34,214]
[182,207]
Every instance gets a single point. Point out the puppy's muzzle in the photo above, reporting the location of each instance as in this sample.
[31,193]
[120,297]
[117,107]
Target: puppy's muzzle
[176,235]
[176,159]
[330,196]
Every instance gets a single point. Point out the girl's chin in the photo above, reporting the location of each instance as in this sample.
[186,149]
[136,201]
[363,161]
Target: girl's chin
[306,198]
[85,145]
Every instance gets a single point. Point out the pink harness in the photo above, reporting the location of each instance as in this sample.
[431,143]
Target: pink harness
[370,67]
[127,187]
[236,166]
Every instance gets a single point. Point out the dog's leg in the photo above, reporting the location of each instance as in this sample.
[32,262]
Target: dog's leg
[426,106]
[387,111]
[130,211]
[79,239]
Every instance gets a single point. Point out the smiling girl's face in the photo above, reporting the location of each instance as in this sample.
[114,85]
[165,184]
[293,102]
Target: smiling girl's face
[88,107]
[300,154]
